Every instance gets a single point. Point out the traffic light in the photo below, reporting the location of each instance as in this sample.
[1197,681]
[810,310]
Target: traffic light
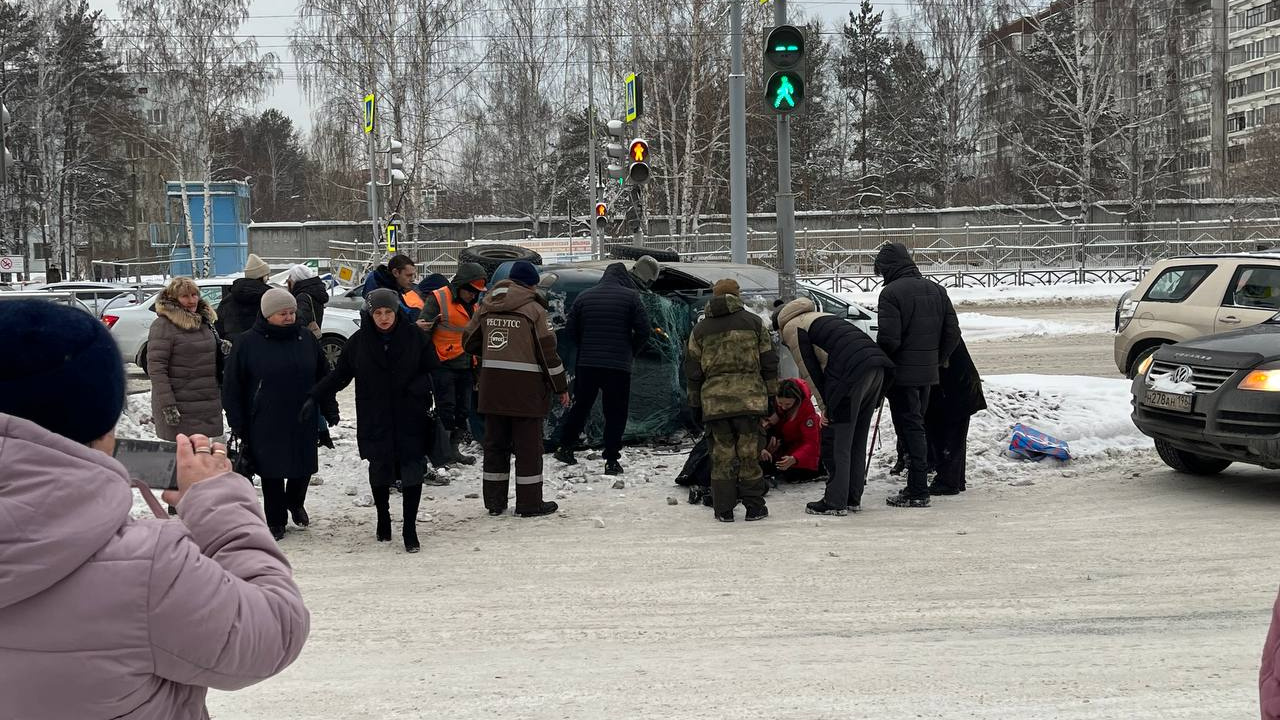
[784,69]
[638,156]
[602,215]
[6,160]
[395,163]
[617,151]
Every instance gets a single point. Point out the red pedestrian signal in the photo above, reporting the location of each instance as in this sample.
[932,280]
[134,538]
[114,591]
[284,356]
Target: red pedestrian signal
[639,150]
[602,210]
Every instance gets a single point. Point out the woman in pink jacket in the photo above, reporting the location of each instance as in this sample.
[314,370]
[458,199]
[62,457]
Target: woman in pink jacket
[102,615]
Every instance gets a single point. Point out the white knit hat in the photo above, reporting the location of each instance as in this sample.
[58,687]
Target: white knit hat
[256,268]
[277,299]
[298,273]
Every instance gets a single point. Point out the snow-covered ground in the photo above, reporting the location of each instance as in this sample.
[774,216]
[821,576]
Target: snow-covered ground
[979,326]
[1062,294]
[1092,414]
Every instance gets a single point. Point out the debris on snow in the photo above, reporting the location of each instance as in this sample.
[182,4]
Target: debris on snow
[317,480]
[365,500]
[353,490]
[619,484]
[672,501]
[599,522]
[472,496]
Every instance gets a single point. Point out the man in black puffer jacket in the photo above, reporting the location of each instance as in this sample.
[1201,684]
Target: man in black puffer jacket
[611,327]
[241,303]
[918,330]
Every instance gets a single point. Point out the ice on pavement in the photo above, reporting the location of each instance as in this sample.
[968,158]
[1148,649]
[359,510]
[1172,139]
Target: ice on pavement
[1092,414]
[977,326]
[1061,294]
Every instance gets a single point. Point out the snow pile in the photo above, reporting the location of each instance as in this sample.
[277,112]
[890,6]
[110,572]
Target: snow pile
[136,422]
[1066,293]
[977,326]
[1164,382]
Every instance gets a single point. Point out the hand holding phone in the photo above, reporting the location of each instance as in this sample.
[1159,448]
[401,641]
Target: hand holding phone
[198,460]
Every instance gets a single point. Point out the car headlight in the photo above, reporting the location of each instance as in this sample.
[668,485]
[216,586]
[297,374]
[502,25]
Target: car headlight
[1124,314]
[1145,365]
[1263,379]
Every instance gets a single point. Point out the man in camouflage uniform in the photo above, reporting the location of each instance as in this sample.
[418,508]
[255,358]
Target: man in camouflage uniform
[733,379]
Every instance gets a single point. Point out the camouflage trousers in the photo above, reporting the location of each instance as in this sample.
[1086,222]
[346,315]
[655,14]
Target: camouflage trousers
[735,463]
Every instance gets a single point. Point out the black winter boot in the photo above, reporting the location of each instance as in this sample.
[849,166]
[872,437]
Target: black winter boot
[381,503]
[495,496]
[612,467]
[277,532]
[905,501]
[455,440]
[759,513]
[300,516]
[412,497]
[565,455]
[529,502]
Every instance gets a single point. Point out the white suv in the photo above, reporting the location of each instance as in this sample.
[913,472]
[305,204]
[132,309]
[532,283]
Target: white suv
[1189,297]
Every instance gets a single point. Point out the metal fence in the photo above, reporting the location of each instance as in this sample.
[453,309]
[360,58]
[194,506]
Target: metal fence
[992,255]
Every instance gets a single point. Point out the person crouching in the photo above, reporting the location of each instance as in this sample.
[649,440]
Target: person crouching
[794,451]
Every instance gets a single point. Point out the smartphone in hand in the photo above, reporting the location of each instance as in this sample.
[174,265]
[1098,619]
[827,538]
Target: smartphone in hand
[154,462]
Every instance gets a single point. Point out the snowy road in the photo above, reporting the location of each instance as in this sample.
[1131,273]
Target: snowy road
[1107,588]
[1129,593]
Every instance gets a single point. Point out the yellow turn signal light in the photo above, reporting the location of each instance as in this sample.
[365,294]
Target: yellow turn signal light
[1264,380]
[1145,365]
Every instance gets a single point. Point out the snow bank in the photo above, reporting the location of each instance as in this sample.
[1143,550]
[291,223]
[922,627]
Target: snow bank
[977,326]
[1066,293]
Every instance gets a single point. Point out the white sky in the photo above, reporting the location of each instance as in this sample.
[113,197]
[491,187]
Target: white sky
[271,22]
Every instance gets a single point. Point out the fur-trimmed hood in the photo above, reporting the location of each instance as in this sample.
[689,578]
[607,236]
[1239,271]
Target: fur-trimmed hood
[170,310]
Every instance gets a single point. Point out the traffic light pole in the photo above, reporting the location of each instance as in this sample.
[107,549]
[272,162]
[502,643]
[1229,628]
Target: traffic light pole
[373,190]
[737,139]
[592,171]
[786,201]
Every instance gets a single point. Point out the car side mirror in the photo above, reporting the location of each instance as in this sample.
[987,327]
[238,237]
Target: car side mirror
[841,311]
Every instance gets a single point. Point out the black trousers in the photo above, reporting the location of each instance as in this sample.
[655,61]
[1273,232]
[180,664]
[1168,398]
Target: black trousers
[907,405]
[453,396]
[278,498]
[948,447]
[503,437]
[587,384]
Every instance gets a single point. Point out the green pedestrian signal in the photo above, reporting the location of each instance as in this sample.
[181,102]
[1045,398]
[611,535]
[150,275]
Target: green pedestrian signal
[784,69]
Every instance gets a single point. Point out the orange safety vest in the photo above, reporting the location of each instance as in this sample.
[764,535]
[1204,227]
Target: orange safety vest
[448,331]
[413,300]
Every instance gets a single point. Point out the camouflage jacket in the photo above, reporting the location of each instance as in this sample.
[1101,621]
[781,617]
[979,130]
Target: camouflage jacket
[731,365]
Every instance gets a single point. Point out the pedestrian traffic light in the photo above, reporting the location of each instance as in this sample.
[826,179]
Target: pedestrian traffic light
[6,160]
[395,163]
[602,215]
[638,156]
[784,69]
[617,152]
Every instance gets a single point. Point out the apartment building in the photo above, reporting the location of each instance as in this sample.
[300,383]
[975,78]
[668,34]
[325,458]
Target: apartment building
[1202,77]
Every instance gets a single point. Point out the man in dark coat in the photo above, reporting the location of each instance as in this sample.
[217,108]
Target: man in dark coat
[519,370]
[610,326]
[846,371]
[241,303]
[918,330]
[399,275]
[956,398]
[391,362]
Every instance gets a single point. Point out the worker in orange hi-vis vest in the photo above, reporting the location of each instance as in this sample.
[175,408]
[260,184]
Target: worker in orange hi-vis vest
[445,313]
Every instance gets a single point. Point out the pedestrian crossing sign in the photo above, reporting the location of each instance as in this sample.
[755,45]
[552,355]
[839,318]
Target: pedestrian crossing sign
[369,112]
[634,86]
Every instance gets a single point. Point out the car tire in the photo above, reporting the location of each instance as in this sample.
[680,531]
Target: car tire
[1132,372]
[491,256]
[331,347]
[141,360]
[1189,462]
[631,252]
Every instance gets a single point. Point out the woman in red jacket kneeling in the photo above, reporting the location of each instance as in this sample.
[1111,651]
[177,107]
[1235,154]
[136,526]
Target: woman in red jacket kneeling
[794,448]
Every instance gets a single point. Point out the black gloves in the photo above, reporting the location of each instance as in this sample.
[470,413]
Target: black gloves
[308,412]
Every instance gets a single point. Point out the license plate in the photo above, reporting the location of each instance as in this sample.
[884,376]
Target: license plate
[1176,402]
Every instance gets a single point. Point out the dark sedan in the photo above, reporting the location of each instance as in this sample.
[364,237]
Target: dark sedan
[1213,401]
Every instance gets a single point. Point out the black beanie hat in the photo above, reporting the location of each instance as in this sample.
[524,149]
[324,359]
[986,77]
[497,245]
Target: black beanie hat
[65,375]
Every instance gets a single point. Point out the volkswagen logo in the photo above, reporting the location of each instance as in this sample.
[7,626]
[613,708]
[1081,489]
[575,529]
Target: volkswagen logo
[1182,374]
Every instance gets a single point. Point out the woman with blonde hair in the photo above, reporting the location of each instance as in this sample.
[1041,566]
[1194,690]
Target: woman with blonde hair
[184,356]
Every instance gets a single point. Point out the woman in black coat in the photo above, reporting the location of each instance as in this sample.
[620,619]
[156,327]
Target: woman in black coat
[266,385]
[391,361]
[957,396]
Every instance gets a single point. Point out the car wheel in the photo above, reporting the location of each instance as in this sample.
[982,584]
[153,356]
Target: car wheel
[490,256]
[630,252]
[1189,462]
[1139,358]
[331,346]
[141,360]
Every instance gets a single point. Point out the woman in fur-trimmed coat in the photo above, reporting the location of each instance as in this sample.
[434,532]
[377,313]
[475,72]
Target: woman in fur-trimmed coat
[183,352]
